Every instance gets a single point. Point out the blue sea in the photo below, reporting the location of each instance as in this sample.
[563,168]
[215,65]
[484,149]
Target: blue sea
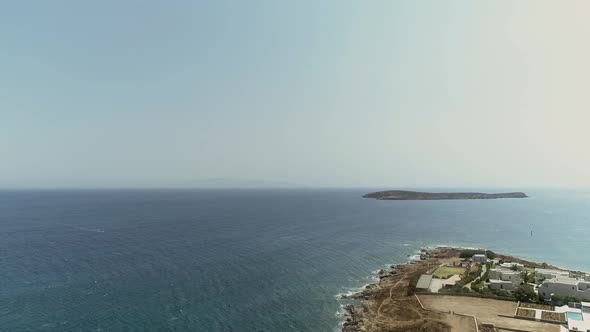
[243,260]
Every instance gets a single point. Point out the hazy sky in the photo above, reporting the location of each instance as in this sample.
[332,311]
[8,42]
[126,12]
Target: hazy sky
[327,93]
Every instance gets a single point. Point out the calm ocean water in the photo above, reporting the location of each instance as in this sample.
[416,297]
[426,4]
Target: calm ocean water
[258,260]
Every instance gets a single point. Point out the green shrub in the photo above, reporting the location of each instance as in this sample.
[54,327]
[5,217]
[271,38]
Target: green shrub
[484,291]
[528,277]
[525,293]
[477,286]
[561,300]
[502,293]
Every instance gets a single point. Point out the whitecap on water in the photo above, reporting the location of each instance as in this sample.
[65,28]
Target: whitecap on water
[344,296]
[95,230]
[340,313]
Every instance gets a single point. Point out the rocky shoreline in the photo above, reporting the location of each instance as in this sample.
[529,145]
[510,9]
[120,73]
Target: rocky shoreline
[389,304]
[358,316]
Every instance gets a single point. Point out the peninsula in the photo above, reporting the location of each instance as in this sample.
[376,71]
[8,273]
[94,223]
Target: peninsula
[470,290]
[419,195]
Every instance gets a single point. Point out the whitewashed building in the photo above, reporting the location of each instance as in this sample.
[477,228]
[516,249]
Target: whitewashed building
[542,274]
[496,284]
[505,275]
[565,286]
[502,278]
[480,258]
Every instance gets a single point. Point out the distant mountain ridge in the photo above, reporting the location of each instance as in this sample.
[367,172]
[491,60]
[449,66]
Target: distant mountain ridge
[419,195]
[227,183]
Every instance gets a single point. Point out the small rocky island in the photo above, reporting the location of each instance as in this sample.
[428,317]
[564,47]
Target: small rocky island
[419,195]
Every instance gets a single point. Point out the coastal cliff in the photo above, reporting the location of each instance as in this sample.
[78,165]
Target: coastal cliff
[418,195]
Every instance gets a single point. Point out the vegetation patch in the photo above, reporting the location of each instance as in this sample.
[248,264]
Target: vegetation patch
[525,293]
[486,275]
[444,272]
[469,277]
[478,286]
[528,277]
[536,306]
[527,313]
[561,300]
[468,253]
[552,315]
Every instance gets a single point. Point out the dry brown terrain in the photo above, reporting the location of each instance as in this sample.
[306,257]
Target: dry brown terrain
[486,310]
[388,308]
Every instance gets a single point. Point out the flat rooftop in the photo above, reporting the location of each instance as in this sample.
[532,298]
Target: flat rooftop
[505,270]
[498,281]
[563,280]
[551,271]
[424,281]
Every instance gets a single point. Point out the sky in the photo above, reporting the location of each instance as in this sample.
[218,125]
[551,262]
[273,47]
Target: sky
[317,93]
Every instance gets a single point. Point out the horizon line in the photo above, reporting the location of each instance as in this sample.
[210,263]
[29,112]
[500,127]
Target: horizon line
[295,187]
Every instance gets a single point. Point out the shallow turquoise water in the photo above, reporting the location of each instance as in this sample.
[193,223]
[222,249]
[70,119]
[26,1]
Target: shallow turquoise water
[175,260]
[574,315]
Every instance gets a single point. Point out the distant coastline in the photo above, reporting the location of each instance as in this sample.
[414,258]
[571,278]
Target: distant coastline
[420,195]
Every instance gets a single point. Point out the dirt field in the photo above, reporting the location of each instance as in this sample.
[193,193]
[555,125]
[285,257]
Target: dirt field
[460,323]
[486,310]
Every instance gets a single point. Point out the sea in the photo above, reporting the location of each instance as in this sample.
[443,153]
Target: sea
[244,260]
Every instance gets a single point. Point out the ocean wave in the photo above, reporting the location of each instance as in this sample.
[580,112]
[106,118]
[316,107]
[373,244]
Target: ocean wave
[352,291]
[340,313]
[95,230]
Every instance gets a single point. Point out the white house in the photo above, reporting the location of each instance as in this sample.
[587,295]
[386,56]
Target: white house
[502,278]
[565,286]
[480,258]
[542,274]
[505,275]
[496,284]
